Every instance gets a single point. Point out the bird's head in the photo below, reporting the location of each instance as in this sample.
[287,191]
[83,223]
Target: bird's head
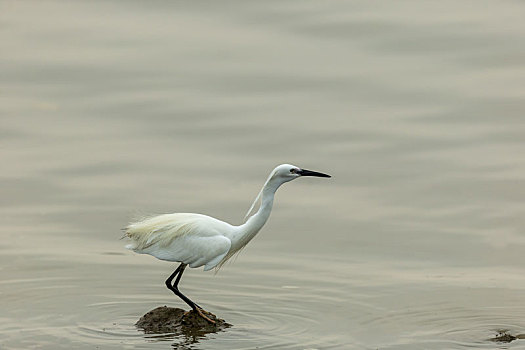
[281,174]
[288,172]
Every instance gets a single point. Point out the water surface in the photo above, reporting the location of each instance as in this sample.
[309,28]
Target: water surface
[115,109]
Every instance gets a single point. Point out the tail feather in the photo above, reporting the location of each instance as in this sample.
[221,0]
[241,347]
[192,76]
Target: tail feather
[131,246]
[161,230]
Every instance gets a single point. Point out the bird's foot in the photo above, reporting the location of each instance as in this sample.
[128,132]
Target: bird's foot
[201,312]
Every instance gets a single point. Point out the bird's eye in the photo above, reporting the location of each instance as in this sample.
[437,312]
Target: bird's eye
[293,170]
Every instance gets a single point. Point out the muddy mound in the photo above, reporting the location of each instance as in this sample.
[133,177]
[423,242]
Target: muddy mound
[166,319]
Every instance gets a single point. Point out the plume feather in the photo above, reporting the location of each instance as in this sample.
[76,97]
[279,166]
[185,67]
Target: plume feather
[257,199]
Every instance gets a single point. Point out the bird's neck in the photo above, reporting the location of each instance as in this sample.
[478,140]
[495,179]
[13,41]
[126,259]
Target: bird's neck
[255,222]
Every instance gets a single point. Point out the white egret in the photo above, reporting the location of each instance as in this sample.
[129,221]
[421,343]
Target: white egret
[200,240]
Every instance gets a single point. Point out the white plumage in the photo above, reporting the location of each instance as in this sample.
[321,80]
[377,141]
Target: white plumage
[193,239]
[200,240]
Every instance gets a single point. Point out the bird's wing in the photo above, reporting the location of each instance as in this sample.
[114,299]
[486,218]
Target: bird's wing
[193,250]
[225,248]
[192,239]
[163,229]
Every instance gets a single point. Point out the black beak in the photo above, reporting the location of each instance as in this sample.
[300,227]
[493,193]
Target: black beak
[304,172]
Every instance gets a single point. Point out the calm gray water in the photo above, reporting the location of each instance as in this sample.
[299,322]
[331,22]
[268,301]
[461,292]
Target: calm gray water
[111,109]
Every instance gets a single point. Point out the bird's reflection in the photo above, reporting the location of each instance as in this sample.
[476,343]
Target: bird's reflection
[185,340]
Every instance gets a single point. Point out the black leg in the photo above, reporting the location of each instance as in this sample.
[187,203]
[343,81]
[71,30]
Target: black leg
[174,288]
[168,281]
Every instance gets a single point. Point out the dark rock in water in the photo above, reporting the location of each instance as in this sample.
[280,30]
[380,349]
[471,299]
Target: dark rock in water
[174,320]
[504,336]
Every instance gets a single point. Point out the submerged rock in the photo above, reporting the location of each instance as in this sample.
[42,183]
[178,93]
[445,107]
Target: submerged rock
[166,319]
[504,336]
